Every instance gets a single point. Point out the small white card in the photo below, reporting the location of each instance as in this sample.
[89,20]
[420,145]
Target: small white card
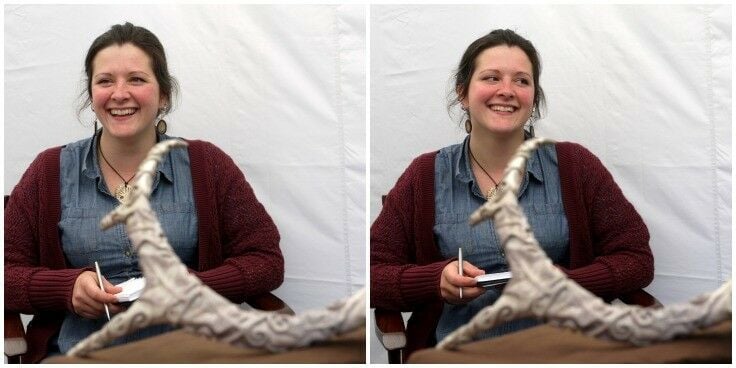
[493,279]
[131,289]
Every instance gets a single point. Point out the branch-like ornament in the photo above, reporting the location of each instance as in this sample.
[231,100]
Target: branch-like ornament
[539,289]
[173,296]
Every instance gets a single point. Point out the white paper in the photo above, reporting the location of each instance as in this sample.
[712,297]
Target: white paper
[493,279]
[131,289]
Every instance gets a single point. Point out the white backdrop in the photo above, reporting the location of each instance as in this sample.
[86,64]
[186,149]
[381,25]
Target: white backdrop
[645,88]
[281,89]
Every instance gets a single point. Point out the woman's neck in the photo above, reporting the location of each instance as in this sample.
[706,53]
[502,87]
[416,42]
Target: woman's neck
[492,151]
[126,155]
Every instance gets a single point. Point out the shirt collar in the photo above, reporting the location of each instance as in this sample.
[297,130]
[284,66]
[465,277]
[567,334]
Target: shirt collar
[464,173]
[91,166]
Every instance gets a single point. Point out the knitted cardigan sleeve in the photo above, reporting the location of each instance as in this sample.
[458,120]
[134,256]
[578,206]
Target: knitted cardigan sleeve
[239,247]
[401,276]
[36,278]
[617,257]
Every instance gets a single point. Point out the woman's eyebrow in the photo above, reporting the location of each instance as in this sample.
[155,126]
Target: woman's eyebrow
[492,70]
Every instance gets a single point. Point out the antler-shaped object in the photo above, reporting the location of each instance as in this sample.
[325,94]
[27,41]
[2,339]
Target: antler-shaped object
[173,296]
[538,289]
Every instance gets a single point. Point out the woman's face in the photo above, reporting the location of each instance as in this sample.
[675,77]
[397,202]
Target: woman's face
[125,92]
[501,91]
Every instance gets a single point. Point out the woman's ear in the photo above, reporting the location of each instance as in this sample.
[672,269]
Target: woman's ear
[462,97]
[163,102]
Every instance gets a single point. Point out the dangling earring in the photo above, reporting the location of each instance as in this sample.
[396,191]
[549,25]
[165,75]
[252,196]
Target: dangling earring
[468,124]
[95,119]
[161,125]
[531,121]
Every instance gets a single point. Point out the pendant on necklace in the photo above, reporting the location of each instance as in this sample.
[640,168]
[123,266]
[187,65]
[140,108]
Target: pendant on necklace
[122,191]
[493,192]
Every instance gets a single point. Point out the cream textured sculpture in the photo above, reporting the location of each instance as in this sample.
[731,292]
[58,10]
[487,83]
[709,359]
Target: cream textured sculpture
[173,296]
[538,289]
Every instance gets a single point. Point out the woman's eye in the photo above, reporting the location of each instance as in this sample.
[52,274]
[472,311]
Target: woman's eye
[103,81]
[491,78]
[523,81]
[137,80]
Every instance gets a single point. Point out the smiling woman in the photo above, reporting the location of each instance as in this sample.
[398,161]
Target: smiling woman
[576,210]
[125,93]
[501,93]
[52,236]
[126,99]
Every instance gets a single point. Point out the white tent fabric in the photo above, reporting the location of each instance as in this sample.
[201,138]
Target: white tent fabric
[645,88]
[281,89]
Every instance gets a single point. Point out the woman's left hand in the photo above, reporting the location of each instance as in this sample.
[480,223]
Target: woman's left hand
[89,300]
[451,281]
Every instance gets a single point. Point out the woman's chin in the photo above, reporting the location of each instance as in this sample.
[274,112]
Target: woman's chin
[123,132]
[503,129]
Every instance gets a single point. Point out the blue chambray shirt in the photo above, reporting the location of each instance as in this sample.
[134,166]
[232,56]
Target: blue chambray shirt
[457,195]
[85,199]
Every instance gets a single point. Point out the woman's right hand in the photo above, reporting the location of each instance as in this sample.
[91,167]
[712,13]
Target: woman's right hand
[451,282]
[89,300]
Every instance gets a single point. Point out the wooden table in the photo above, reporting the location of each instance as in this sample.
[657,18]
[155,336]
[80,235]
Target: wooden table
[548,344]
[184,347]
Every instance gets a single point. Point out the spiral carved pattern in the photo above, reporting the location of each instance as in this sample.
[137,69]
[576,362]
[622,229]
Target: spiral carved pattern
[540,290]
[173,296]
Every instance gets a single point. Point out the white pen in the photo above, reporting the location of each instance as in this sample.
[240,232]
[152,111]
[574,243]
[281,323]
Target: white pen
[460,267]
[102,286]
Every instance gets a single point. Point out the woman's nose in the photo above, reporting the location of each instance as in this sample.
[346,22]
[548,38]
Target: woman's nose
[120,92]
[506,89]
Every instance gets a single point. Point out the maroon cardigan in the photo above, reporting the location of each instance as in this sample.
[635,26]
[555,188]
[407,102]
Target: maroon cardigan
[609,242]
[238,245]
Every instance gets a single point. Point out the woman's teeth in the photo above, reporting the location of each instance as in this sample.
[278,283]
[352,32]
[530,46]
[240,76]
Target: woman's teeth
[503,108]
[121,112]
